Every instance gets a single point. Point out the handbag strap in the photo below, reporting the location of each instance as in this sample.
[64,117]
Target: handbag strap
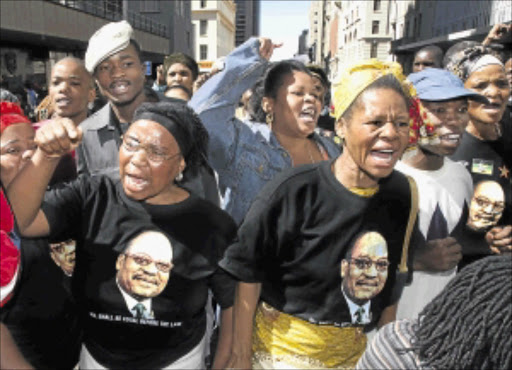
[410,224]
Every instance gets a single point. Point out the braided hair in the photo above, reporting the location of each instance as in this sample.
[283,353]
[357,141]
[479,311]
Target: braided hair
[468,325]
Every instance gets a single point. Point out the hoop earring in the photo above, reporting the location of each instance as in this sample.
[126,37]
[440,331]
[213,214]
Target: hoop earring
[269,119]
[179,177]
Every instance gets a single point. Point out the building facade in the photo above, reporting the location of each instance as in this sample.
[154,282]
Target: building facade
[247,20]
[40,32]
[443,23]
[214,28]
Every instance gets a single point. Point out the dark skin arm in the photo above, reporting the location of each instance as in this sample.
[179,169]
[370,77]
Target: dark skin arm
[11,357]
[438,255]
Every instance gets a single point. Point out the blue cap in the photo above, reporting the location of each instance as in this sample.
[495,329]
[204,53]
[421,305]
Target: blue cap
[434,84]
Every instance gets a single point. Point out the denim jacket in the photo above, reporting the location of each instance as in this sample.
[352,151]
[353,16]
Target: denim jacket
[246,155]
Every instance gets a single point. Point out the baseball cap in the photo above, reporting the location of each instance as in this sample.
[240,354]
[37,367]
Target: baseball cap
[108,40]
[434,84]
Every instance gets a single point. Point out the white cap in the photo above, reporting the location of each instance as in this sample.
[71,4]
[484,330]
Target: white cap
[108,40]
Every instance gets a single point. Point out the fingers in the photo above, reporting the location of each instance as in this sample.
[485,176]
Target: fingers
[58,137]
[267,47]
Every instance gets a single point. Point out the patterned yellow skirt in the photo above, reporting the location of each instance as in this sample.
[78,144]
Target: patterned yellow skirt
[282,341]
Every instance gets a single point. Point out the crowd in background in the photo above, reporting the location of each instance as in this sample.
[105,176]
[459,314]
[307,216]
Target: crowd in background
[259,215]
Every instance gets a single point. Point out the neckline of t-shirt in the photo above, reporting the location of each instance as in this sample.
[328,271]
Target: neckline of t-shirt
[336,186]
[154,207]
[431,173]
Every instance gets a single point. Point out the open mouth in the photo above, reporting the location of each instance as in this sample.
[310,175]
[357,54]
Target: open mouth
[135,182]
[62,102]
[493,107]
[308,115]
[384,157]
[119,87]
[452,139]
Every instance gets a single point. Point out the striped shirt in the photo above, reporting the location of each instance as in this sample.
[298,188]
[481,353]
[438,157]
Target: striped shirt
[391,348]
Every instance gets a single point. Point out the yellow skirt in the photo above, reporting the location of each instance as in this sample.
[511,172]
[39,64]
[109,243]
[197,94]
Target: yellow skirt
[282,341]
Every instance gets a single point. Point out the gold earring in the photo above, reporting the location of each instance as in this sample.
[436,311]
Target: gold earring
[269,119]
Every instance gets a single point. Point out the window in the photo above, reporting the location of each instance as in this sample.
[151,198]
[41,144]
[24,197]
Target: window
[375,27]
[149,6]
[203,3]
[203,27]
[373,49]
[376,5]
[203,51]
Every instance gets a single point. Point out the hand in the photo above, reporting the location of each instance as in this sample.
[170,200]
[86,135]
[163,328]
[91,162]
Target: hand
[239,362]
[500,33]
[499,239]
[160,77]
[439,255]
[267,47]
[58,137]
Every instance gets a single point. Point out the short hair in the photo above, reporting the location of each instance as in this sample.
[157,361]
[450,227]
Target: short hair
[78,62]
[137,48]
[468,325]
[270,83]
[435,50]
[385,82]
[457,48]
[184,59]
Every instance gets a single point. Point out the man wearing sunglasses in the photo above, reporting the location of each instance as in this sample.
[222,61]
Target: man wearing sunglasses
[143,271]
[364,271]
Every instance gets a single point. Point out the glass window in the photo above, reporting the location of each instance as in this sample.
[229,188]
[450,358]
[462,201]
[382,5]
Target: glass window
[203,51]
[375,27]
[203,27]
[376,5]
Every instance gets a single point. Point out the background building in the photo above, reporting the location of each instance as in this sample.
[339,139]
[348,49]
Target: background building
[247,20]
[443,23]
[214,25]
[39,32]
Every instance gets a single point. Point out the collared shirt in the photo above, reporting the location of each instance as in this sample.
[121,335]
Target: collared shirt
[353,307]
[132,302]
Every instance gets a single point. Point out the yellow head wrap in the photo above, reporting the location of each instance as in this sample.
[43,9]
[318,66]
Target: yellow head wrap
[356,78]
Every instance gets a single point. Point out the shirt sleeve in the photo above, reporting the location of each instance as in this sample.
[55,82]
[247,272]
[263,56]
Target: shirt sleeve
[391,348]
[82,168]
[223,287]
[63,208]
[268,225]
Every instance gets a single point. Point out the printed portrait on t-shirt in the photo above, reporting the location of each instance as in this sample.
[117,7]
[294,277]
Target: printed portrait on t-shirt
[487,206]
[63,254]
[143,271]
[364,272]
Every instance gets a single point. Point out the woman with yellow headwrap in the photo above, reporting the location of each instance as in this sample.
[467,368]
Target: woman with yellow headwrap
[317,255]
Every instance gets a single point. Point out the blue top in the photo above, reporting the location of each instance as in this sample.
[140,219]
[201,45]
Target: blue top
[246,155]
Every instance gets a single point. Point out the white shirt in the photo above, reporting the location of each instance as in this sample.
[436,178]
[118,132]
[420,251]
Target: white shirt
[353,307]
[132,302]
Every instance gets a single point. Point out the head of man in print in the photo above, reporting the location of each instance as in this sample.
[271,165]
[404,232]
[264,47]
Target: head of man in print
[63,254]
[143,269]
[487,206]
[364,269]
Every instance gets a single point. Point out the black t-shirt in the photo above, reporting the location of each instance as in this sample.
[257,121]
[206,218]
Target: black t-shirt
[42,316]
[299,229]
[485,162]
[101,218]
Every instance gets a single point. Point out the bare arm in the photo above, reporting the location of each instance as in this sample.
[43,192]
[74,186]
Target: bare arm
[438,255]
[247,296]
[11,357]
[27,190]
[225,339]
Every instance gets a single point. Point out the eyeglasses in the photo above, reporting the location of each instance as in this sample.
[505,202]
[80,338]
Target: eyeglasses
[497,207]
[144,260]
[154,154]
[366,263]
[61,247]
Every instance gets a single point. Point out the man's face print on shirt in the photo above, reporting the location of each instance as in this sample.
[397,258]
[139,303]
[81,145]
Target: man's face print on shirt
[63,254]
[365,269]
[144,268]
[487,206]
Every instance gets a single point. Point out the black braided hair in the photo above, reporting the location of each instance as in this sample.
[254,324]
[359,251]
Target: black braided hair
[461,62]
[468,325]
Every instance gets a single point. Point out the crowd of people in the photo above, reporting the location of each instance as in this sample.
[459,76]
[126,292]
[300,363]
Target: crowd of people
[230,220]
